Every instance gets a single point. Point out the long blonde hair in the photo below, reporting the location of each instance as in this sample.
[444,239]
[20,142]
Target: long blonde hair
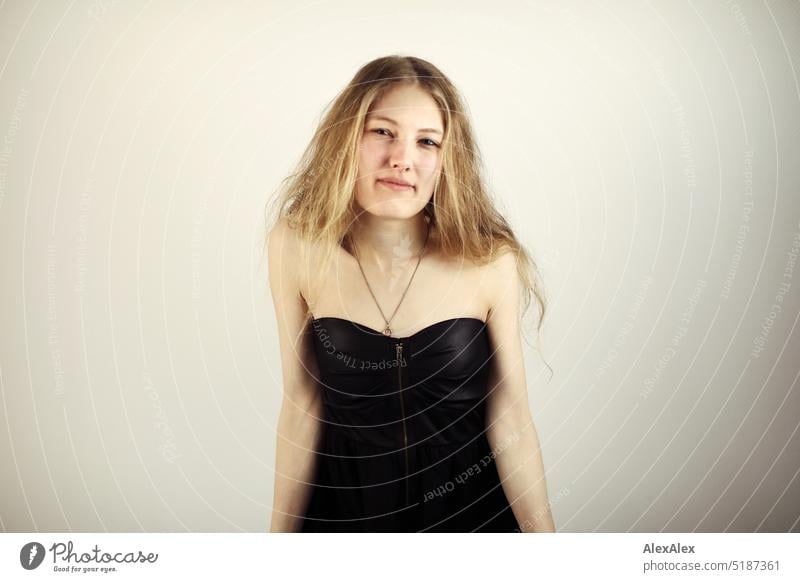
[318,197]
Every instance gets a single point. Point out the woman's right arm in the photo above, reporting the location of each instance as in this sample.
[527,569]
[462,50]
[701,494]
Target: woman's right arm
[299,424]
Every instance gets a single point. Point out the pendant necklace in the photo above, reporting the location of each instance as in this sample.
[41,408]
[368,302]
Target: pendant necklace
[387,331]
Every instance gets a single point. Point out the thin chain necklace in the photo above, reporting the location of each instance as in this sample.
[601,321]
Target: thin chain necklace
[387,331]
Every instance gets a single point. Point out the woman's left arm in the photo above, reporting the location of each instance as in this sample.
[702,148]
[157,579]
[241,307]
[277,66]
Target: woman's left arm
[510,430]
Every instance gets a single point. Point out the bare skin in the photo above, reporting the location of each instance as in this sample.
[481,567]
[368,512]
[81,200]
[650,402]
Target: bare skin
[388,238]
[441,289]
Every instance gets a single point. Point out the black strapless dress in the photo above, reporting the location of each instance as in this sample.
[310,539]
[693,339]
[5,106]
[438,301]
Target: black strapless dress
[404,445]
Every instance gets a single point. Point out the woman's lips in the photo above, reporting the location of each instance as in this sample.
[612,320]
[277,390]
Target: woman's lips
[395,185]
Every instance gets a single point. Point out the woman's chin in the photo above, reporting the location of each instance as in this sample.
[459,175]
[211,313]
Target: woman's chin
[395,208]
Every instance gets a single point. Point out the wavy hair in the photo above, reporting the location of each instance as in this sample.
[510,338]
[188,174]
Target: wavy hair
[318,198]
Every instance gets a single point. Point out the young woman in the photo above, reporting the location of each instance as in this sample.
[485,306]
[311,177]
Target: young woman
[397,289]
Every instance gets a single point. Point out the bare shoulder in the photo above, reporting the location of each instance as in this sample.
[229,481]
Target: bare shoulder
[501,270]
[500,279]
[283,244]
[282,236]
[504,263]
[291,255]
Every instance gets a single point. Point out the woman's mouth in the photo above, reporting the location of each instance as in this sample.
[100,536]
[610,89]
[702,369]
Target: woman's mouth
[394,185]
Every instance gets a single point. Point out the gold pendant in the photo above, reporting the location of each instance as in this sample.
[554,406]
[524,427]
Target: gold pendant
[387,331]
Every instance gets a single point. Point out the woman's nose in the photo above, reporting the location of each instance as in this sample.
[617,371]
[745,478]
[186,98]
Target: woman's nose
[400,154]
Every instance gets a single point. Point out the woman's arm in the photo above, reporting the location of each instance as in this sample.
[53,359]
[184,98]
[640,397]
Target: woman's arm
[510,429]
[299,425]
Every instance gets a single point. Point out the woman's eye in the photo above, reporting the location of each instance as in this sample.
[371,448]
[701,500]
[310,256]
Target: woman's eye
[383,132]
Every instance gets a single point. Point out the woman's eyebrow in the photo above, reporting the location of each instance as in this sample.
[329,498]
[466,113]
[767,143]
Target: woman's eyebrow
[390,120]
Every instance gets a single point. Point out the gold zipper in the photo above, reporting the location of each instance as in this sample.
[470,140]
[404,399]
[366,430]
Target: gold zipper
[399,353]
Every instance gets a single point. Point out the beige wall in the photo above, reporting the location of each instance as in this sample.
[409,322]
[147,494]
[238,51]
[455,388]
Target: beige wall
[647,153]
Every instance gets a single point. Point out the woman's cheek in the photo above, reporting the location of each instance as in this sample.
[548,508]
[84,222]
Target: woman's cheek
[374,153]
[368,159]
[429,164]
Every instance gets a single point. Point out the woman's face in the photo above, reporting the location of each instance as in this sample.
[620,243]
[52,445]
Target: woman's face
[401,143]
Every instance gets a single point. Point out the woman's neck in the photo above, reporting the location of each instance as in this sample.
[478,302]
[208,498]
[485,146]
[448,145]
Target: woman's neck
[383,242]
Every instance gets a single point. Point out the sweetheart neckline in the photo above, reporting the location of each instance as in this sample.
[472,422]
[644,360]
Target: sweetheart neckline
[413,335]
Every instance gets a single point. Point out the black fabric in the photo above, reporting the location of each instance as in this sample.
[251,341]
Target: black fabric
[404,446]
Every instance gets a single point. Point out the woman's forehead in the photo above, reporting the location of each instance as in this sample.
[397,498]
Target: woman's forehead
[402,105]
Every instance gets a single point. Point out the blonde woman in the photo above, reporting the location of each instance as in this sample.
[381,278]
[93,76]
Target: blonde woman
[397,290]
